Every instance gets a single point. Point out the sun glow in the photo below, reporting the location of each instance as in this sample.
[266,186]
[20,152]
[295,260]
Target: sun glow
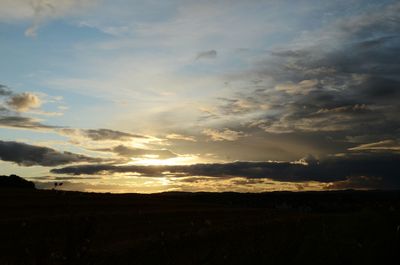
[154,160]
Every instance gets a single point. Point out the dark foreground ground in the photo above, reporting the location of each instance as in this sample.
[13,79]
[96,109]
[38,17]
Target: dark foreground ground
[54,227]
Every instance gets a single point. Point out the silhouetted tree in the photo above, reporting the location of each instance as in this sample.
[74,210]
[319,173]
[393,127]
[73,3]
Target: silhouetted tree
[57,184]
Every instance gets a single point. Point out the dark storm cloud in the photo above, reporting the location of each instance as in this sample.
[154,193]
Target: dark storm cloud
[332,169]
[31,155]
[343,78]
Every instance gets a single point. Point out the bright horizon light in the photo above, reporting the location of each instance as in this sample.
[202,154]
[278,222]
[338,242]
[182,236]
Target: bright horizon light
[174,161]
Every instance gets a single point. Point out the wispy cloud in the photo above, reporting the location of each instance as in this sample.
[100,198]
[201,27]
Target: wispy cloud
[385,145]
[101,134]
[176,136]
[40,11]
[130,152]
[223,135]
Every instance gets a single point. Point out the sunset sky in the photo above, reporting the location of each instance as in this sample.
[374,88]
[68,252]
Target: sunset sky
[250,96]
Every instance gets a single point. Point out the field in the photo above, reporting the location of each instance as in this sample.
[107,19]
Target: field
[56,227]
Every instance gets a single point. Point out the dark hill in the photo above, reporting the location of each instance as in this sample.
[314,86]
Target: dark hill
[15,182]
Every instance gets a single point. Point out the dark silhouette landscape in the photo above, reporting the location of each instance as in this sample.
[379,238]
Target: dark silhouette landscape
[331,227]
[199,132]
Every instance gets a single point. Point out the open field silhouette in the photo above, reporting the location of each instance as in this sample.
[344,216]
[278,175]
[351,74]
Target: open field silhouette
[58,227]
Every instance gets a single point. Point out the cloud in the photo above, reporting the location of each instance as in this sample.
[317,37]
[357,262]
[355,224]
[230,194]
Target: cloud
[131,152]
[5,91]
[329,170]
[175,136]
[340,81]
[23,123]
[223,135]
[3,109]
[358,182]
[99,136]
[322,118]
[385,145]
[24,101]
[15,103]
[303,87]
[31,155]
[107,134]
[211,54]
[242,105]
[92,169]
[40,11]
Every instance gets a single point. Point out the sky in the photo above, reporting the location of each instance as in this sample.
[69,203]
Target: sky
[248,96]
